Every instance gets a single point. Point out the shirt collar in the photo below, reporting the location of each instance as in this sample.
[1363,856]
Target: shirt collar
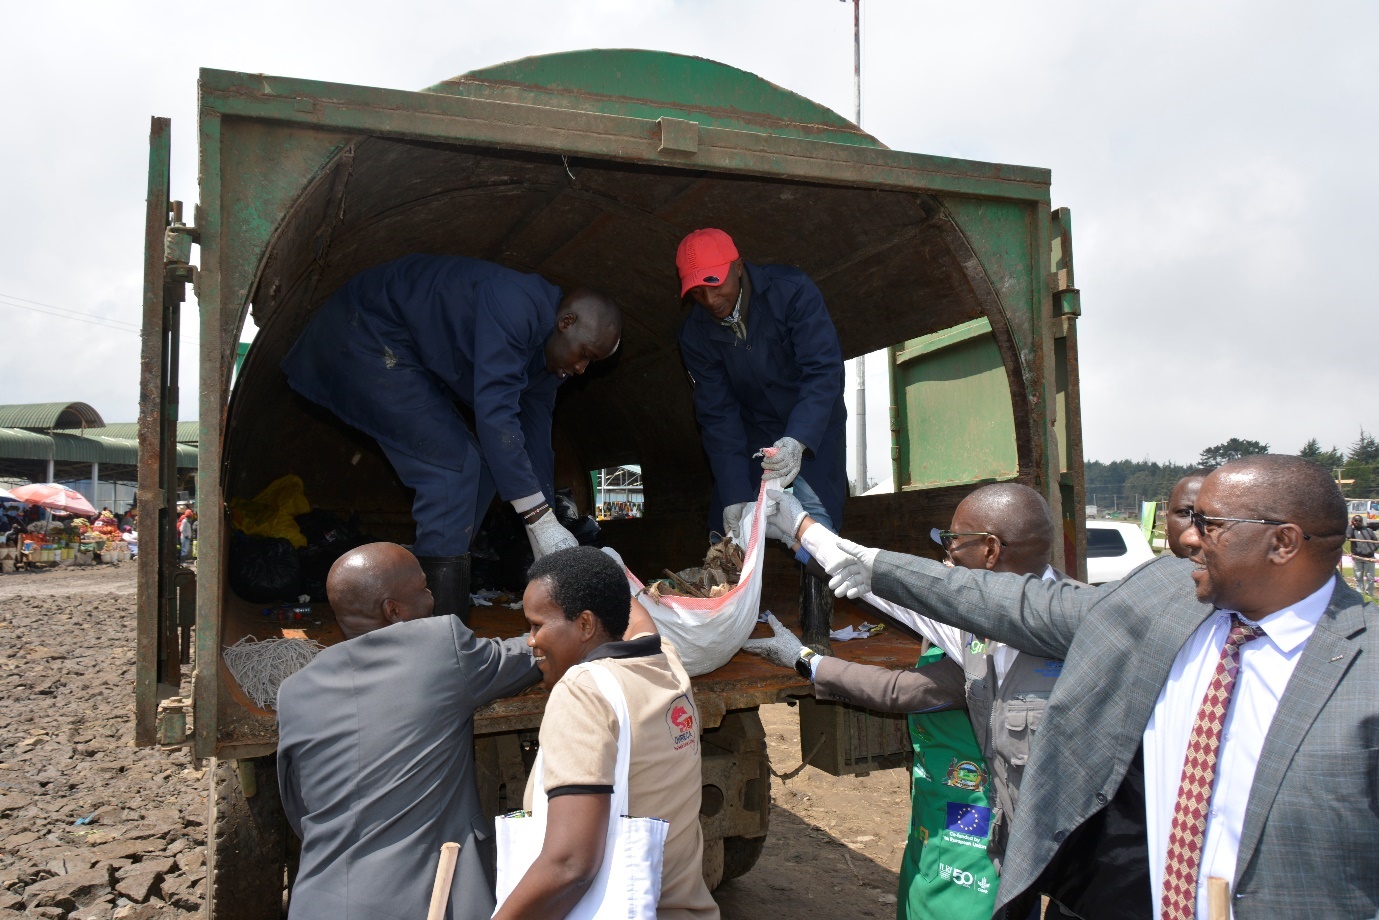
[641,647]
[1290,627]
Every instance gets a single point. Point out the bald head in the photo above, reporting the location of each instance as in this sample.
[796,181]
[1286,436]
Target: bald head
[588,328]
[375,585]
[1284,488]
[1018,516]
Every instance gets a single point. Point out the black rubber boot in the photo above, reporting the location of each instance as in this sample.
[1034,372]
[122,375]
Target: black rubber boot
[816,611]
[448,579]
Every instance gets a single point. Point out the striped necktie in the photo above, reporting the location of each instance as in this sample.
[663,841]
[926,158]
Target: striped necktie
[1189,829]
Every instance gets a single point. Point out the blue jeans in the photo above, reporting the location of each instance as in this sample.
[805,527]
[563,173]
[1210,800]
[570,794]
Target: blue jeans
[809,501]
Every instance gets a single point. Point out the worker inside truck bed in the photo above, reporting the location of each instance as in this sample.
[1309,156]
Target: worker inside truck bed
[767,370]
[399,344]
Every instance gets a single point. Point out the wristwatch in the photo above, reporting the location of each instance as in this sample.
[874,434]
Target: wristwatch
[804,665]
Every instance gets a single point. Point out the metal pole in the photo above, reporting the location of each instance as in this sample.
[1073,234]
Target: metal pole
[859,364]
[50,472]
[96,484]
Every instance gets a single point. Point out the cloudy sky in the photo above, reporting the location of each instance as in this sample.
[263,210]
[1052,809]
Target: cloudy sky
[1218,157]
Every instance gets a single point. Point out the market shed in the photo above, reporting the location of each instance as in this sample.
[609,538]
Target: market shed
[70,443]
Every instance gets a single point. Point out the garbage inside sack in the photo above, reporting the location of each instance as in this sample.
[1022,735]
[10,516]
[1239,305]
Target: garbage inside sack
[273,512]
[707,631]
[721,571]
[264,569]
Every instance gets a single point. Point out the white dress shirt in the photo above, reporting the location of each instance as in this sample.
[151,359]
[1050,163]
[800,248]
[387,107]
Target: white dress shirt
[820,542]
[1266,664]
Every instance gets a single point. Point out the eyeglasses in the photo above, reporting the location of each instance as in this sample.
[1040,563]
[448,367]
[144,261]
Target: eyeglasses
[945,538]
[1201,522]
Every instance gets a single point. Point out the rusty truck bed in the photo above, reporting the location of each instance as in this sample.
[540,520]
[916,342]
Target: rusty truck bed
[744,682]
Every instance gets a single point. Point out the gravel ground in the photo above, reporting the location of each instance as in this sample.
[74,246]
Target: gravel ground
[90,826]
[93,827]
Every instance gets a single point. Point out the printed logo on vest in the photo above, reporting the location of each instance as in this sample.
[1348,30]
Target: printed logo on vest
[965,774]
[680,720]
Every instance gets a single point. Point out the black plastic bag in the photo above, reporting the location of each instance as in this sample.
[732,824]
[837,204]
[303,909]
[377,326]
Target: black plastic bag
[264,570]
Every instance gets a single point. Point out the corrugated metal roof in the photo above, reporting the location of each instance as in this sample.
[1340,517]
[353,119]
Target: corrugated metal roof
[19,444]
[187,432]
[46,416]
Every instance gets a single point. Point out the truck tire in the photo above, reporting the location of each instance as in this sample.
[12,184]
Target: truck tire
[246,851]
[740,854]
[736,805]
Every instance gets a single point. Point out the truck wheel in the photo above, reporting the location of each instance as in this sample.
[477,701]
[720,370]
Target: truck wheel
[740,854]
[246,850]
[736,803]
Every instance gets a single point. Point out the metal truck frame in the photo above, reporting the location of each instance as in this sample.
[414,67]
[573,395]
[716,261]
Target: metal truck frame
[586,167]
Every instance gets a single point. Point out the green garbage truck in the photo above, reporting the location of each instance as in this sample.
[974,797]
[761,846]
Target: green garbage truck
[587,167]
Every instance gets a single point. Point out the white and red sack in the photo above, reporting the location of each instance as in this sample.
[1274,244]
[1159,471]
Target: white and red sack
[708,631]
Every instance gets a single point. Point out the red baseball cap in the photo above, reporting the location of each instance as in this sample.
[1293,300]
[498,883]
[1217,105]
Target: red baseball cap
[704,257]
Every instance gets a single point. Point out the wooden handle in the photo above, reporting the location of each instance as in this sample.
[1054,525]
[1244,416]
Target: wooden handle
[445,873]
[1218,899]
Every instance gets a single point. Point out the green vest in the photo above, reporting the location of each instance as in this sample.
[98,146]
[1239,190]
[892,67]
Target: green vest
[946,873]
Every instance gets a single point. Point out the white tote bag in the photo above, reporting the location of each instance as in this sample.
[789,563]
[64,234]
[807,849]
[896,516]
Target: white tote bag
[628,885]
[706,632]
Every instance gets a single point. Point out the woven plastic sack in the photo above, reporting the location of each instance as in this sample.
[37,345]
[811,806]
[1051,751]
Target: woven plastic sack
[708,631]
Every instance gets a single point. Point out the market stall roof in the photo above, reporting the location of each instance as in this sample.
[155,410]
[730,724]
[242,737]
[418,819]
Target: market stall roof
[187,432]
[19,444]
[47,416]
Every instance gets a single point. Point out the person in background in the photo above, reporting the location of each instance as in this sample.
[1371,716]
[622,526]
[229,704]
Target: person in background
[1362,548]
[1249,662]
[376,747]
[184,532]
[767,370]
[394,351]
[968,766]
[579,610]
[1181,502]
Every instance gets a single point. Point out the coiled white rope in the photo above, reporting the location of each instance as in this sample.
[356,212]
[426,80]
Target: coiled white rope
[260,666]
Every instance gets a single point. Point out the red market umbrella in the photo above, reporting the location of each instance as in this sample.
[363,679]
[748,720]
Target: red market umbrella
[54,497]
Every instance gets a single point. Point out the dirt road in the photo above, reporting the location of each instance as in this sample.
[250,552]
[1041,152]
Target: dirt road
[92,828]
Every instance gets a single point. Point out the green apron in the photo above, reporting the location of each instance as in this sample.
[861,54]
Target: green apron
[946,874]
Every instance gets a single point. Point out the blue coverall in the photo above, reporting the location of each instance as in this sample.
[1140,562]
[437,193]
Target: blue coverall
[785,379]
[393,350]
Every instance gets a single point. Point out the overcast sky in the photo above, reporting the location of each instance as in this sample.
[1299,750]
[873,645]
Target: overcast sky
[1219,160]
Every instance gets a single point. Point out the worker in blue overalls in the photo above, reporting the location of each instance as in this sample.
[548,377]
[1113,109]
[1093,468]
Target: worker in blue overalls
[767,371]
[392,352]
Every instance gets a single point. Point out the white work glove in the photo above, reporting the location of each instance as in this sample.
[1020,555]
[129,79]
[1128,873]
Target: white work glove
[547,536]
[732,518]
[783,516]
[782,648]
[852,569]
[784,463]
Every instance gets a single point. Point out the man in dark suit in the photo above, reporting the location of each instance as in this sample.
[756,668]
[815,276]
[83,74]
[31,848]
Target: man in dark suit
[376,747]
[1216,717]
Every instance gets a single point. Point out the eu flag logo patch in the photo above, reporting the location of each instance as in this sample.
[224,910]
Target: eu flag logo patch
[969,819]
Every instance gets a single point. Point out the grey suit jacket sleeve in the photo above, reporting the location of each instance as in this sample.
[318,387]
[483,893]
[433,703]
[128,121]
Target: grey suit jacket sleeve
[933,687]
[1022,611]
[493,668]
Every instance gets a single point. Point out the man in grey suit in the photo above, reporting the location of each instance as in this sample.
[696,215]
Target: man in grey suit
[1228,704]
[375,747]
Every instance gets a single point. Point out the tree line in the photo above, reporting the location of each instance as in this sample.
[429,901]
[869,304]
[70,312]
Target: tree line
[1125,483]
